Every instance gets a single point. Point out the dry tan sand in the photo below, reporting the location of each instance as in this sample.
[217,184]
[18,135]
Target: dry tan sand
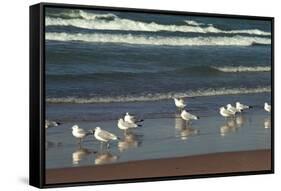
[243,161]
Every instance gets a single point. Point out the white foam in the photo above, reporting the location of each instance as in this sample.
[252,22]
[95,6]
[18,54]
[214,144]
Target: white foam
[93,21]
[159,40]
[244,69]
[78,14]
[160,96]
[190,22]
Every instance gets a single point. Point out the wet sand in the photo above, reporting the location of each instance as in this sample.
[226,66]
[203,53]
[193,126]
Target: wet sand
[227,162]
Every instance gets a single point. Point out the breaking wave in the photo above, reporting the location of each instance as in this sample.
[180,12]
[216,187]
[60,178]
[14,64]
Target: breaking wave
[243,69]
[159,40]
[159,96]
[87,20]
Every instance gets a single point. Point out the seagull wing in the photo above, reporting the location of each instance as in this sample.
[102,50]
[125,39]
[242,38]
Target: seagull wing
[244,106]
[131,124]
[106,135]
[81,131]
[191,116]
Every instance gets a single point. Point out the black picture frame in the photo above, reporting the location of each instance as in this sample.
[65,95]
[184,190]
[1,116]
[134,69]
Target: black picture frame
[37,94]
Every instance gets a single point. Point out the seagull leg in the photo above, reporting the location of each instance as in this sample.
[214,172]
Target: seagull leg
[79,142]
[107,146]
[101,146]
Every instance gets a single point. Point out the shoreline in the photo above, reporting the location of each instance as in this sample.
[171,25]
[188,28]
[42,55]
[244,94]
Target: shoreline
[99,112]
[225,162]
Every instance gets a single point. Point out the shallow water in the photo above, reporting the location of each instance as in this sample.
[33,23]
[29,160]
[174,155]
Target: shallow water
[163,134]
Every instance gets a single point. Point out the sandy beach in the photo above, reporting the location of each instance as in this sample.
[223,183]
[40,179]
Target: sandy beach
[243,161]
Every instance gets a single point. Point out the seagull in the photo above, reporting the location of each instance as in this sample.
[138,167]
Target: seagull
[104,136]
[79,133]
[267,107]
[131,118]
[225,113]
[188,116]
[123,125]
[51,124]
[231,109]
[179,102]
[240,107]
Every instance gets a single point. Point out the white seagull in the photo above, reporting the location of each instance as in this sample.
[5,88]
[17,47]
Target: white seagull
[131,118]
[179,102]
[231,109]
[225,113]
[79,133]
[49,124]
[267,107]
[240,107]
[188,116]
[124,125]
[104,136]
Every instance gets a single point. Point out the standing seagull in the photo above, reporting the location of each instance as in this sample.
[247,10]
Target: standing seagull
[104,136]
[124,125]
[131,118]
[225,113]
[79,133]
[240,107]
[188,116]
[267,107]
[231,109]
[179,102]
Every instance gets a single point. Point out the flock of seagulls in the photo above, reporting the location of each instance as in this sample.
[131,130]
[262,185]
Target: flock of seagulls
[225,111]
[124,123]
[129,121]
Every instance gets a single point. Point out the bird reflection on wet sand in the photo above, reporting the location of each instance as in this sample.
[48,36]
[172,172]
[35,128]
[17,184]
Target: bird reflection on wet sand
[105,157]
[80,154]
[130,140]
[232,125]
[240,120]
[183,129]
[267,123]
[52,144]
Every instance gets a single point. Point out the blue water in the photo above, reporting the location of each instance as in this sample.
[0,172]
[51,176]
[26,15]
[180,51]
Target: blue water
[99,56]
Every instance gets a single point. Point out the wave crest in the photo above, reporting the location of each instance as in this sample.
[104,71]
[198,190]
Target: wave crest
[160,96]
[243,69]
[87,20]
[159,40]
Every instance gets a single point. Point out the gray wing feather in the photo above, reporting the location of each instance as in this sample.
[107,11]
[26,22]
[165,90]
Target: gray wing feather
[107,135]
